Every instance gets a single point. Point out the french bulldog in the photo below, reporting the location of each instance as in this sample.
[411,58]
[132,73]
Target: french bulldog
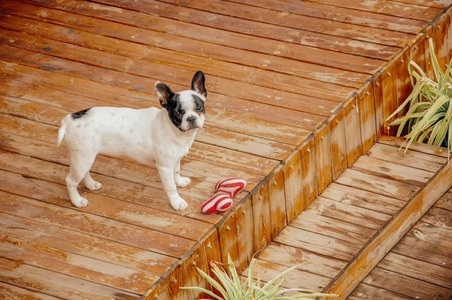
[151,136]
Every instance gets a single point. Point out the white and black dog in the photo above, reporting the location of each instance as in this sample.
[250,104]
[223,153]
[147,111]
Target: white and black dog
[152,136]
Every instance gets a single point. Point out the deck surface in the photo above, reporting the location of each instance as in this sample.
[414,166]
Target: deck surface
[297,92]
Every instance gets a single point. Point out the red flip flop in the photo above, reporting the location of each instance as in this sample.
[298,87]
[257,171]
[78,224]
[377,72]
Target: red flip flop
[231,186]
[219,202]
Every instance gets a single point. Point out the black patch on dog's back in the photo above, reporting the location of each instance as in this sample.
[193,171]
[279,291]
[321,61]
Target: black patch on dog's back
[79,114]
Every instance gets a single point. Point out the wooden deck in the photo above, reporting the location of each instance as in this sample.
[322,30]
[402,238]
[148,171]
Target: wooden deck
[298,92]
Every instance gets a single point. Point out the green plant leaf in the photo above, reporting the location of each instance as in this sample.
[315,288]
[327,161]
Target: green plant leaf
[230,286]
[439,74]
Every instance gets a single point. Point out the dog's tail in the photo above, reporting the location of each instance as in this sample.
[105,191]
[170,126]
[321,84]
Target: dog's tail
[62,130]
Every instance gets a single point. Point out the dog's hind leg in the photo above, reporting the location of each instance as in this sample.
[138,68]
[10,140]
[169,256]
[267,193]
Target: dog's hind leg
[80,166]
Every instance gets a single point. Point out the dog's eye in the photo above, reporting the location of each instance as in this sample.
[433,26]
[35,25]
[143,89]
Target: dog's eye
[199,107]
[181,112]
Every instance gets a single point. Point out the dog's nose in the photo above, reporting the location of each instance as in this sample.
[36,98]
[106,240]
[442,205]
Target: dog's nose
[191,119]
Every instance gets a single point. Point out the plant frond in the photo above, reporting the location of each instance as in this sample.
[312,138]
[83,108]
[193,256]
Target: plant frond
[229,285]
[439,74]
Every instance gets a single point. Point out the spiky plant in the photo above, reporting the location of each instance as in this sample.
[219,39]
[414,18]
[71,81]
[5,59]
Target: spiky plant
[428,119]
[231,287]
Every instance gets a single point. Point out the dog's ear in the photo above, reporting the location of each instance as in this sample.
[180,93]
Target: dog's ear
[198,83]
[163,92]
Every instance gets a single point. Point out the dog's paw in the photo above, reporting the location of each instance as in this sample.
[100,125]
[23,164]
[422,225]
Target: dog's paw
[182,181]
[178,204]
[93,185]
[80,202]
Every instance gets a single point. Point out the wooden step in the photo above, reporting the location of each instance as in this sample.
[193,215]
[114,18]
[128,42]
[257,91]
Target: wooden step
[360,217]
[419,266]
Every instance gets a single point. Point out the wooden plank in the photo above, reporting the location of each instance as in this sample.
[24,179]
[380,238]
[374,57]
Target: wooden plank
[378,96]
[342,230]
[390,170]
[438,218]
[293,186]
[140,51]
[311,261]
[322,141]
[420,270]
[91,224]
[433,3]
[309,171]
[394,92]
[403,81]
[211,250]
[268,24]
[401,10]
[49,235]
[190,275]
[106,203]
[348,15]
[423,161]
[245,224]
[349,213]
[60,57]
[445,201]
[366,104]
[404,285]
[365,199]
[244,143]
[172,282]
[338,145]
[295,279]
[112,275]
[417,247]
[419,147]
[260,45]
[277,199]
[383,186]
[387,238]
[423,243]
[227,232]
[353,135]
[431,234]
[317,243]
[165,43]
[389,93]
[10,291]
[367,291]
[56,284]
[261,218]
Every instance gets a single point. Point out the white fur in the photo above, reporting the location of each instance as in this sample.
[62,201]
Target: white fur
[145,135]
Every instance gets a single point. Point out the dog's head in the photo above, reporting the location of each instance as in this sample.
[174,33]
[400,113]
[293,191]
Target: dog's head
[185,109]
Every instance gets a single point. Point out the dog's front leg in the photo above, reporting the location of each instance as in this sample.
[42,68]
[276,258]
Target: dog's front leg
[181,181]
[169,184]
